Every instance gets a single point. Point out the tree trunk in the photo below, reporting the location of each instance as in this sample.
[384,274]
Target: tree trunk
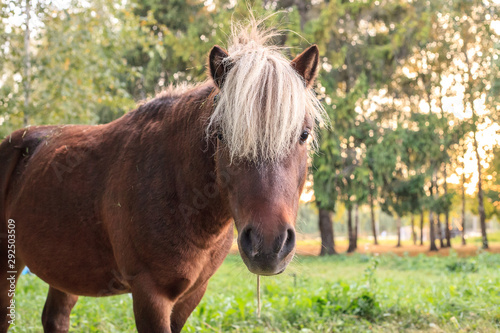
[398,225]
[413,232]
[447,210]
[327,233]
[447,235]
[422,227]
[356,226]
[372,215]
[439,230]
[463,203]
[482,214]
[27,65]
[432,236]
[350,231]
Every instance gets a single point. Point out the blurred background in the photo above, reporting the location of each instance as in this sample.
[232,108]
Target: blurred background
[409,166]
[412,89]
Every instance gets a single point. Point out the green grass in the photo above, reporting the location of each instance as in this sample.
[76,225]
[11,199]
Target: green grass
[338,294]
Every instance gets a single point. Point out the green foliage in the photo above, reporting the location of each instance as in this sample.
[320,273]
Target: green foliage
[403,196]
[462,266]
[76,76]
[357,66]
[489,209]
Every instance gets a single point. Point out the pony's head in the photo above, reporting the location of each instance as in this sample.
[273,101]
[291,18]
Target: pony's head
[263,120]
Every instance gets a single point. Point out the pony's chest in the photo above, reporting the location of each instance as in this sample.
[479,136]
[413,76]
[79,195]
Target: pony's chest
[196,266]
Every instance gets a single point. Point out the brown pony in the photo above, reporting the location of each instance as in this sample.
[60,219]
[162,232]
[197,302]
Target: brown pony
[145,203]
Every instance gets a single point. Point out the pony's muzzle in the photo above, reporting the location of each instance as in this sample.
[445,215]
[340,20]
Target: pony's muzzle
[266,254]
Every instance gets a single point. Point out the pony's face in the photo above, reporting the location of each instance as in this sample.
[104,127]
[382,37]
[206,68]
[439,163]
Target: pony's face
[264,201]
[263,189]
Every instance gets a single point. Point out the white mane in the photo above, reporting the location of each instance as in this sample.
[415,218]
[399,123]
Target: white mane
[263,103]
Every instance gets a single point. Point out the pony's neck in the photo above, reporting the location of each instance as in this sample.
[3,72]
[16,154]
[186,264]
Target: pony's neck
[203,204]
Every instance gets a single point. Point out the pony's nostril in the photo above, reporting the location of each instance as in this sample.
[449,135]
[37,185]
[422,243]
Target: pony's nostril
[285,242]
[290,241]
[248,242]
[246,239]
[279,242]
[290,237]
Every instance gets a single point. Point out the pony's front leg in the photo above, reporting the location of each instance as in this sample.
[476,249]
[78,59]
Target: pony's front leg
[152,308]
[183,308]
[56,312]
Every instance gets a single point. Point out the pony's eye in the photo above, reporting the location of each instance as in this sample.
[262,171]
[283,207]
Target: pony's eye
[304,136]
[220,136]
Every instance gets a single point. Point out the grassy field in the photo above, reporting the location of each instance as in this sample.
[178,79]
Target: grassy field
[358,293]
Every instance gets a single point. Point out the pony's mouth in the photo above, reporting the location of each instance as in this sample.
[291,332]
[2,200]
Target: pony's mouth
[267,265]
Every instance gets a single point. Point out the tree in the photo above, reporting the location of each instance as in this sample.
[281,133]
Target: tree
[401,191]
[380,158]
[360,57]
[463,202]
[77,73]
[326,232]
[474,55]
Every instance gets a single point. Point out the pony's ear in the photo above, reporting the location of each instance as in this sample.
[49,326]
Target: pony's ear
[306,64]
[218,64]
